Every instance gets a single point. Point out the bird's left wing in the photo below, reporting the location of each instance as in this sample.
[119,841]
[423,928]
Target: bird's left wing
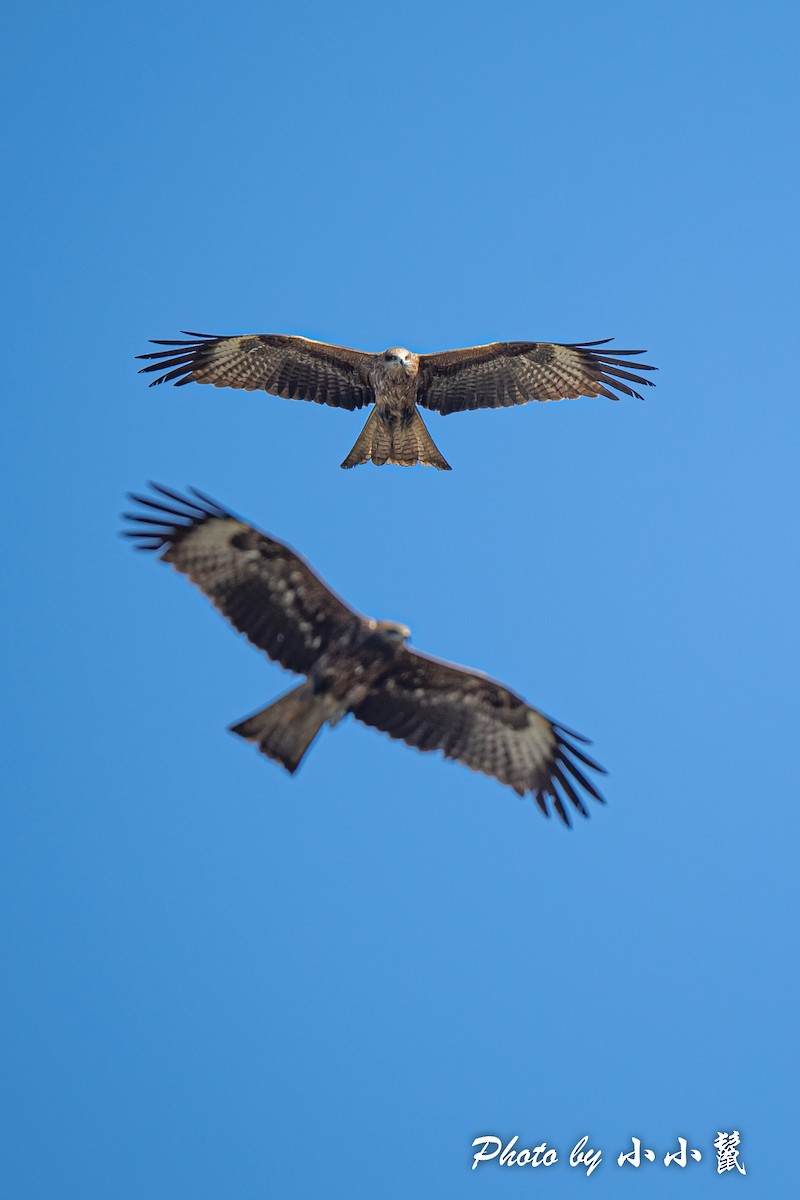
[295,368]
[505,373]
[436,705]
[266,591]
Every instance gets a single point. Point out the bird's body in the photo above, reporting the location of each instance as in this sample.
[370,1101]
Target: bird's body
[395,432]
[398,381]
[394,380]
[355,664]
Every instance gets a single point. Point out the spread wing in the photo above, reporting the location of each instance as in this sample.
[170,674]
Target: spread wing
[435,705]
[504,373]
[267,592]
[292,367]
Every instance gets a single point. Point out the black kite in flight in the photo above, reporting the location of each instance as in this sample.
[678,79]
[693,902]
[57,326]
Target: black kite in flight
[355,664]
[396,381]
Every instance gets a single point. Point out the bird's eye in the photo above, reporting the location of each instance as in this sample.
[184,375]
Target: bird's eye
[388,357]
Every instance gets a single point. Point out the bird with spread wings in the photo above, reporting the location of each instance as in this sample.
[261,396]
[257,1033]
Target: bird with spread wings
[354,664]
[496,375]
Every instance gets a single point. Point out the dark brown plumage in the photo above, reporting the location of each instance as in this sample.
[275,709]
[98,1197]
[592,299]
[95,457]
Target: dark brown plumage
[354,664]
[397,381]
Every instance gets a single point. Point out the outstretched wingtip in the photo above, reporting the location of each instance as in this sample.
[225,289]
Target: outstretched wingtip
[177,362]
[160,524]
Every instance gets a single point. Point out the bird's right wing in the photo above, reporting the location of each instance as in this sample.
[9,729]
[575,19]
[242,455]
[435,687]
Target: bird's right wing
[436,705]
[504,373]
[266,591]
[292,367]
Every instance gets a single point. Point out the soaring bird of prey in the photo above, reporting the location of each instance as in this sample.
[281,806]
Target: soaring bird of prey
[354,664]
[397,381]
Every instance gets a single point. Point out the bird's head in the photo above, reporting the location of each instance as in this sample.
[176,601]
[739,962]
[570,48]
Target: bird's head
[391,631]
[397,358]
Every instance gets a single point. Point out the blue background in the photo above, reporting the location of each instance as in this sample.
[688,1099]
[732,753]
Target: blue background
[222,981]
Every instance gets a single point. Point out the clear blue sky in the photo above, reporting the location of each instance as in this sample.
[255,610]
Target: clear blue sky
[223,981]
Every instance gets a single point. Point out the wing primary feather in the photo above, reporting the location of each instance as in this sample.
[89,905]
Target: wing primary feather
[140,520]
[623,362]
[208,507]
[170,493]
[170,375]
[558,804]
[618,373]
[573,733]
[203,337]
[163,342]
[542,803]
[615,358]
[183,518]
[597,342]
[584,758]
[602,354]
[181,356]
[570,790]
[213,505]
[620,387]
[145,500]
[581,778]
[193,513]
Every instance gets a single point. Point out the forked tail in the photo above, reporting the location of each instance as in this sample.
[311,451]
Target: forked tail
[403,440]
[285,730]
